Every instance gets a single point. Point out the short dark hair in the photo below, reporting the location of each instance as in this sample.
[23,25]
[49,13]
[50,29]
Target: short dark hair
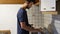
[30,1]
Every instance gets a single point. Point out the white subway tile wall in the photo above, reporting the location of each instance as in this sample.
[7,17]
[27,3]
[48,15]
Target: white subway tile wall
[37,19]
[47,20]
[34,16]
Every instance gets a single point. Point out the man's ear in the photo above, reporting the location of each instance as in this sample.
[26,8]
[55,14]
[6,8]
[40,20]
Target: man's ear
[25,4]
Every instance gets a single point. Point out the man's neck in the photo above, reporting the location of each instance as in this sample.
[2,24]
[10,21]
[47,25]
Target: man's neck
[24,6]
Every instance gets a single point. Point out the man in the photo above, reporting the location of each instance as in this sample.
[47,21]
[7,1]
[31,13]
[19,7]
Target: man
[23,25]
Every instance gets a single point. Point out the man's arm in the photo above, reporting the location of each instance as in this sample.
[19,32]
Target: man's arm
[23,24]
[25,27]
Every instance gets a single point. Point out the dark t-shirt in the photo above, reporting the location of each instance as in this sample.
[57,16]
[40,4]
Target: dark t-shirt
[22,17]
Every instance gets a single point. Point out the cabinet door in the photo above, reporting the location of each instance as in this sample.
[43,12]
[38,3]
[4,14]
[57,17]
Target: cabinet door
[48,5]
[20,1]
[12,1]
[8,1]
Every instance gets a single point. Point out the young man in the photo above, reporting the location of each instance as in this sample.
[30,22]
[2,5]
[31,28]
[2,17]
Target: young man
[23,25]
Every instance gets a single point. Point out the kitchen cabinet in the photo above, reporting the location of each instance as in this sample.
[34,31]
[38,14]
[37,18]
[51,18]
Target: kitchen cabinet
[20,1]
[7,1]
[48,5]
[13,1]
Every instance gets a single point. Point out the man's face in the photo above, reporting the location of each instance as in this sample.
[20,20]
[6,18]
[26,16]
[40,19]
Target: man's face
[29,5]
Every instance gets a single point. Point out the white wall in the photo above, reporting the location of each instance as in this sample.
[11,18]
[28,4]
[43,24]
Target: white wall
[8,19]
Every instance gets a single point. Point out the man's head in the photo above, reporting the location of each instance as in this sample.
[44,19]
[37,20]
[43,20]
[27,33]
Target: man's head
[29,3]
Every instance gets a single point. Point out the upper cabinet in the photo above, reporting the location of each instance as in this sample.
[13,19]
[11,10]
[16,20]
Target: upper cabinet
[48,5]
[13,1]
[8,1]
[20,1]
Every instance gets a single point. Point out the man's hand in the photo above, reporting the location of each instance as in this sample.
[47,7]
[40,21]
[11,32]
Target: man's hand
[41,30]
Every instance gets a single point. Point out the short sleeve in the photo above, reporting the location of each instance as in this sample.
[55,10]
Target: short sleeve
[21,16]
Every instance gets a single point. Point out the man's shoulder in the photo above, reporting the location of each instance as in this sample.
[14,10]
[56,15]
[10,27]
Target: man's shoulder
[21,10]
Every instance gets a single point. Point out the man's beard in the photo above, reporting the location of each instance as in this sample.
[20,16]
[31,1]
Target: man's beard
[28,7]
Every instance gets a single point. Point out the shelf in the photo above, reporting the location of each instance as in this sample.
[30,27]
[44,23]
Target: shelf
[50,12]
